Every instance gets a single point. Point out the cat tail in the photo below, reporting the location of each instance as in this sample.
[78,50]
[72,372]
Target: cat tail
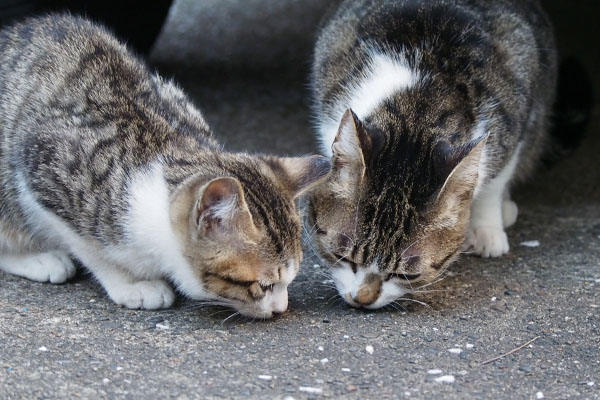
[572,110]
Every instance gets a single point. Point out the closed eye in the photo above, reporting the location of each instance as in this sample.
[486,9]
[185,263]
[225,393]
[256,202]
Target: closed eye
[267,288]
[401,276]
[346,260]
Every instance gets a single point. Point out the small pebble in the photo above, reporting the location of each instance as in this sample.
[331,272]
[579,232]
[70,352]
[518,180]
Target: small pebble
[348,370]
[312,390]
[539,395]
[324,360]
[590,383]
[163,326]
[346,337]
[105,380]
[445,379]
[320,348]
[531,243]
[455,351]
[407,394]
[469,346]
[369,349]
[494,298]
[434,371]
[43,348]
[316,266]
[351,388]
[265,377]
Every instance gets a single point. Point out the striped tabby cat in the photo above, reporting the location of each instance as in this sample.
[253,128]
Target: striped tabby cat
[110,164]
[443,105]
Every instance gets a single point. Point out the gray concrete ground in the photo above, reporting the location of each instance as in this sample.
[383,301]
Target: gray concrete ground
[71,341]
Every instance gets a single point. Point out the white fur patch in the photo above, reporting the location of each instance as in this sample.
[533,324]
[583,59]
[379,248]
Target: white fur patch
[386,75]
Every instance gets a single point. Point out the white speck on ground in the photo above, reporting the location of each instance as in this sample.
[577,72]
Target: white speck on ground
[590,383]
[346,337]
[407,394]
[43,348]
[369,349]
[445,379]
[320,348]
[163,326]
[288,398]
[265,377]
[530,243]
[494,298]
[455,350]
[316,266]
[311,390]
[105,381]
[324,360]
[539,395]
[119,368]
[348,370]
[434,371]
[469,345]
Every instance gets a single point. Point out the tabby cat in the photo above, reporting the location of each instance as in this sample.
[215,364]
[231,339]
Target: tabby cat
[109,164]
[430,111]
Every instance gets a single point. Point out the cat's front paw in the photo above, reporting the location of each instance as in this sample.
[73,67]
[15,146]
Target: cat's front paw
[487,241]
[149,295]
[53,266]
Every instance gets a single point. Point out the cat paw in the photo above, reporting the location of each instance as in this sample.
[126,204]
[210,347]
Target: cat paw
[149,295]
[487,241]
[510,211]
[53,266]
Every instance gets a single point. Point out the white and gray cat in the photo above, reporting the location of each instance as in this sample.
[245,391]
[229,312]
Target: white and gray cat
[430,111]
[107,163]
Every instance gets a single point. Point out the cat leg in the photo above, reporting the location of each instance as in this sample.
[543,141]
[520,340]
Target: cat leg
[492,210]
[126,290]
[51,266]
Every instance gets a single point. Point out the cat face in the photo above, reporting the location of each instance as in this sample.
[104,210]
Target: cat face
[393,213]
[243,233]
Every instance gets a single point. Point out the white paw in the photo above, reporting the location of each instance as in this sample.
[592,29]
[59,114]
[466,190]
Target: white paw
[510,211]
[487,241]
[53,266]
[149,295]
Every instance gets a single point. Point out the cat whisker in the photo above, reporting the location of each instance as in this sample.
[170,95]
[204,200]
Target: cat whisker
[414,301]
[231,316]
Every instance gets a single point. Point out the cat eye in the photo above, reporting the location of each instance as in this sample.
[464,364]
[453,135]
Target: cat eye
[406,277]
[346,260]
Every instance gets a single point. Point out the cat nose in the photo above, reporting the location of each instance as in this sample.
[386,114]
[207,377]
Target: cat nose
[369,290]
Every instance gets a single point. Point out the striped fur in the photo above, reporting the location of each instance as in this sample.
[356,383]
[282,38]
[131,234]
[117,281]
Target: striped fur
[105,162]
[455,108]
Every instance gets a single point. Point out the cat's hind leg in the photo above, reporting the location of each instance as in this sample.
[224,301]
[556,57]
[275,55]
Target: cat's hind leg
[510,211]
[51,266]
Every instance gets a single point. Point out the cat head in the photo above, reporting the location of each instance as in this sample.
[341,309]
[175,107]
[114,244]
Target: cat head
[242,233]
[394,211]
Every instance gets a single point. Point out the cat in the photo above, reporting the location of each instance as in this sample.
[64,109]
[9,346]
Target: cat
[430,111]
[112,165]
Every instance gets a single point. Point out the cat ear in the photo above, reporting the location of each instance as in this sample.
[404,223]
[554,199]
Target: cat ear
[222,206]
[463,164]
[352,144]
[299,174]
